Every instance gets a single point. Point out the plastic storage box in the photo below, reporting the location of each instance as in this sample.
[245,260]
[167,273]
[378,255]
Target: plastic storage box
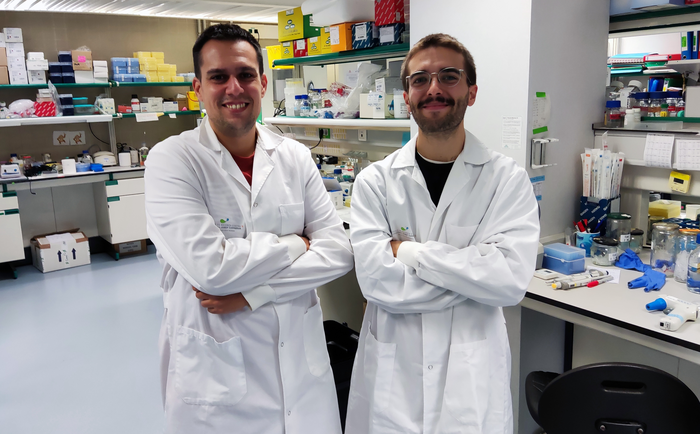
[564,259]
[665,208]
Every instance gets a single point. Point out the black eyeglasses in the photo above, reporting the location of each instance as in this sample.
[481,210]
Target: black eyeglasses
[449,77]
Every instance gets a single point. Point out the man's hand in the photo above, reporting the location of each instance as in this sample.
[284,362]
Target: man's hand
[220,305]
[395,246]
[308,243]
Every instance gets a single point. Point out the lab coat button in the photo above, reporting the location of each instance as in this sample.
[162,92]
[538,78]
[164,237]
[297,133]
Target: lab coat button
[430,366]
[282,344]
[255,205]
[289,413]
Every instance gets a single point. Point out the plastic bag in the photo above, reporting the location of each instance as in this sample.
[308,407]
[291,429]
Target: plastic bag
[22,108]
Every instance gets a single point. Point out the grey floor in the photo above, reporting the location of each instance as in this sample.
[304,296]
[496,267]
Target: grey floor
[79,348]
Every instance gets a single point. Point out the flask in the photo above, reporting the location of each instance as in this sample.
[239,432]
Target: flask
[135,104]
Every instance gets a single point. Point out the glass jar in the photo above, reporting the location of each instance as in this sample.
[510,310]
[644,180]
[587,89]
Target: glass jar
[672,107]
[315,99]
[685,245]
[612,114]
[643,102]
[652,219]
[301,106]
[604,251]
[664,110]
[655,106]
[663,247]
[619,226]
[636,240]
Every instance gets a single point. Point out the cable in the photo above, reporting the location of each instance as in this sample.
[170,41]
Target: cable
[320,138]
[279,129]
[106,143]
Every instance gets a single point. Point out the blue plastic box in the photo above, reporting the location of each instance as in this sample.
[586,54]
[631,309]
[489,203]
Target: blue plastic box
[562,251]
[65,56]
[119,61]
[55,77]
[563,266]
[138,78]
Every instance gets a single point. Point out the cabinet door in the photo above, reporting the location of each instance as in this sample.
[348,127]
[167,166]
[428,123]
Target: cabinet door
[125,187]
[12,246]
[127,218]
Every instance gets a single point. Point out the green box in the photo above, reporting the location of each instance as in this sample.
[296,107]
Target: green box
[309,29]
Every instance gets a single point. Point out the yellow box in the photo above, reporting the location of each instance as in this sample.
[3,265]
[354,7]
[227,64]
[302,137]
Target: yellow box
[142,54]
[164,67]
[179,79]
[158,54]
[665,208]
[325,40]
[192,101]
[341,37]
[287,50]
[148,67]
[164,78]
[290,25]
[314,45]
[173,69]
[274,52]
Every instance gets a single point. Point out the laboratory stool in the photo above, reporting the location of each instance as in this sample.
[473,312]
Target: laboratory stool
[612,398]
[341,342]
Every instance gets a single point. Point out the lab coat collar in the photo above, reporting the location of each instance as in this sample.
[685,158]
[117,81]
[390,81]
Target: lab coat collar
[266,138]
[474,152]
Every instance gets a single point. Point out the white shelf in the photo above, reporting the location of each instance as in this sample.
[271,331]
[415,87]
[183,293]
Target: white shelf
[55,120]
[684,65]
[349,124]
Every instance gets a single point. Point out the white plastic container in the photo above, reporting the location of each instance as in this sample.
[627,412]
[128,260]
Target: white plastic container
[329,12]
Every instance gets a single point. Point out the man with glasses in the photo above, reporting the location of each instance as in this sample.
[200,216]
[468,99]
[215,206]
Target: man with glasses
[445,233]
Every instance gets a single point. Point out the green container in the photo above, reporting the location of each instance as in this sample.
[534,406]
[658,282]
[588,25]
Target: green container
[309,30]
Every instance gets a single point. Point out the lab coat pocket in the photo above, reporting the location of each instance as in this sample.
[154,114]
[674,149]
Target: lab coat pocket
[292,218]
[315,341]
[379,371]
[460,236]
[467,383]
[208,372]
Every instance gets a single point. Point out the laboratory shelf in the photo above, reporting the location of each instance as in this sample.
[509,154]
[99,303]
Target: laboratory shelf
[349,124]
[686,120]
[179,113]
[655,20]
[59,179]
[58,86]
[384,52]
[646,73]
[151,83]
[55,120]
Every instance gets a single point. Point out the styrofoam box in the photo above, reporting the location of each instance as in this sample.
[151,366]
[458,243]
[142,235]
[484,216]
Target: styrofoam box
[35,55]
[37,65]
[12,34]
[60,251]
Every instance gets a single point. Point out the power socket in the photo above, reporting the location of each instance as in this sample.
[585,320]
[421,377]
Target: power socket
[362,135]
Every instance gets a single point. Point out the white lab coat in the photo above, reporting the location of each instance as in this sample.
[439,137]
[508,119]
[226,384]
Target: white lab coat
[264,370]
[433,354]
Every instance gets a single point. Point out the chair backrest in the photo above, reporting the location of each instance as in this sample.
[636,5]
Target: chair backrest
[620,397]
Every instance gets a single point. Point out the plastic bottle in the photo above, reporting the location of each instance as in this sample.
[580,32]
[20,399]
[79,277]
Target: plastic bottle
[86,158]
[672,107]
[14,159]
[338,174]
[135,104]
[693,283]
[301,106]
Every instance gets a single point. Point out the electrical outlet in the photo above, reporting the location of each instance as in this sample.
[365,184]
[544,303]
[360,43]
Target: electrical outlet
[362,135]
[325,133]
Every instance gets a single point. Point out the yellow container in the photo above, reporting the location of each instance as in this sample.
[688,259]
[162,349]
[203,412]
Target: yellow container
[179,79]
[192,101]
[274,52]
[158,54]
[164,78]
[665,208]
[138,54]
[287,50]
[290,25]
[314,46]
[148,67]
[325,40]
[164,67]
[173,69]
[151,77]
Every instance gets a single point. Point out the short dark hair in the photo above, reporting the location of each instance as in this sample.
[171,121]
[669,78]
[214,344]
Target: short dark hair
[224,32]
[445,41]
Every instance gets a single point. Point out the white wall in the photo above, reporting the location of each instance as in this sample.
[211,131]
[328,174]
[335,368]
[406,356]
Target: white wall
[668,43]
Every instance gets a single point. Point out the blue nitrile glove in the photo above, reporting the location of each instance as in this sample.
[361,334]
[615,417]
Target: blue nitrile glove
[630,261]
[652,280]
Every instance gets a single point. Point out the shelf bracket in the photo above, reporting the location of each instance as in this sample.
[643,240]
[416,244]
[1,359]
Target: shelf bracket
[537,153]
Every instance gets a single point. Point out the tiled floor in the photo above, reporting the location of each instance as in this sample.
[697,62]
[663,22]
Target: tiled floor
[79,349]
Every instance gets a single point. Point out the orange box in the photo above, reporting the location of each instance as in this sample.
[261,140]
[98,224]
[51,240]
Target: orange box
[341,37]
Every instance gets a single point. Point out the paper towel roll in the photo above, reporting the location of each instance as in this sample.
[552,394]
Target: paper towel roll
[125,159]
[68,166]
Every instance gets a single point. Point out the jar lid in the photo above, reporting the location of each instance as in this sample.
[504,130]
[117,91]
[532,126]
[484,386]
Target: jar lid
[665,226]
[605,241]
[619,216]
[612,104]
[636,231]
[690,231]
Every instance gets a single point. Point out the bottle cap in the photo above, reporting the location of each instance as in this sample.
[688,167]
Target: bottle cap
[658,304]
[612,104]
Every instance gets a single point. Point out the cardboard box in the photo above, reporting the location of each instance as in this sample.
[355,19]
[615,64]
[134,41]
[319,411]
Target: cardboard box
[45,108]
[170,106]
[37,77]
[287,50]
[155,104]
[309,29]
[314,46]
[12,34]
[18,77]
[130,248]
[82,60]
[326,40]
[300,49]
[364,35]
[35,55]
[37,65]
[14,49]
[290,25]
[4,75]
[16,63]
[182,104]
[388,12]
[3,57]
[84,77]
[60,251]
[341,37]
[99,64]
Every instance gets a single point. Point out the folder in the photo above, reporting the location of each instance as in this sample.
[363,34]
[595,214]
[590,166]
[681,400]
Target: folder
[686,42]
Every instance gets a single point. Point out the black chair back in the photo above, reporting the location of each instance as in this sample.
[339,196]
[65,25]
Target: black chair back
[614,398]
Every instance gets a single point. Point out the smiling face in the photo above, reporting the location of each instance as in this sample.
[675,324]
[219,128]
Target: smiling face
[231,87]
[437,108]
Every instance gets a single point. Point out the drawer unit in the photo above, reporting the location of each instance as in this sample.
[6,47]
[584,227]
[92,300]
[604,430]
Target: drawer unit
[11,243]
[120,207]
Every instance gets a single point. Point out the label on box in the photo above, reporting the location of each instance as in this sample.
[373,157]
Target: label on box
[133,246]
[13,34]
[361,32]
[301,44]
[386,34]
[335,35]
[380,84]
[289,11]
[313,40]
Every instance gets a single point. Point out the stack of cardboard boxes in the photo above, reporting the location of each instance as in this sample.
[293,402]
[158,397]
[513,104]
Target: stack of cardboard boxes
[14,69]
[37,67]
[299,37]
[152,65]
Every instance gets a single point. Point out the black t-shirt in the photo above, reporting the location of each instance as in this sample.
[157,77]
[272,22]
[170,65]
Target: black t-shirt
[435,175]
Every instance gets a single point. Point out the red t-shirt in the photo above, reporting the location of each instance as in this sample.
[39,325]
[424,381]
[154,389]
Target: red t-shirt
[246,166]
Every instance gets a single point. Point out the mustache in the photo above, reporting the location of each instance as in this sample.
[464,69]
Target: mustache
[440,99]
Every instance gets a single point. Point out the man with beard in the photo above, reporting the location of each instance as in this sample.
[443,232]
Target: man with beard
[245,231]
[445,233]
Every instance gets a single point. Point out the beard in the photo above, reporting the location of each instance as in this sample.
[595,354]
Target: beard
[237,128]
[445,125]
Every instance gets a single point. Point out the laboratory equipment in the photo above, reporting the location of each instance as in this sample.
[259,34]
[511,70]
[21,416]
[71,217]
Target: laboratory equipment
[10,171]
[604,251]
[663,247]
[619,226]
[564,259]
[677,311]
[686,244]
[636,240]
[584,241]
[301,106]
[105,158]
[612,114]
[693,282]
